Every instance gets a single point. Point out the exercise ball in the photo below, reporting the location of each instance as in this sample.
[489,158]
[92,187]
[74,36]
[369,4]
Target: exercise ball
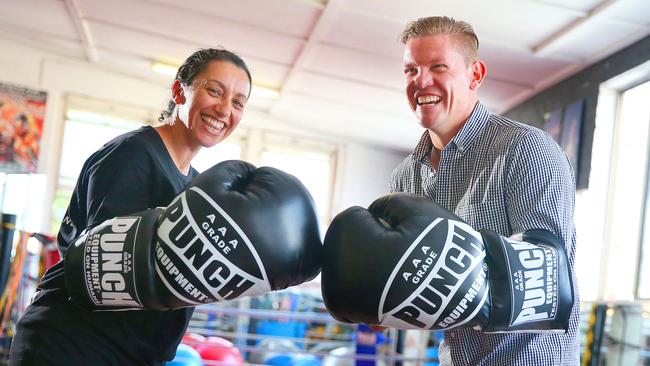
[185,356]
[222,350]
[193,339]
[273,347]
[342,356]
[306,360]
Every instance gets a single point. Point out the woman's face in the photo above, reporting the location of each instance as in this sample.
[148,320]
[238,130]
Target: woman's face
[212,105]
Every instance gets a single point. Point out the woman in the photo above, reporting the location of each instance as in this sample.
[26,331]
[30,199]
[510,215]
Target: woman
[141,169]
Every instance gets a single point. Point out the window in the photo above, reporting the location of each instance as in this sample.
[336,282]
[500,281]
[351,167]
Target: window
[627,186]
[636,112]
[23,195]
[311,162]
[591,204]
[616,241]
[230,149]
[83,134]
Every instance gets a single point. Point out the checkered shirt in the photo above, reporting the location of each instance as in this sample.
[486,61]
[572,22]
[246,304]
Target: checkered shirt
[509,177]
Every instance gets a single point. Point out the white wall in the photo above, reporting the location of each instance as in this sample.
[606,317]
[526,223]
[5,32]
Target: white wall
[362,173]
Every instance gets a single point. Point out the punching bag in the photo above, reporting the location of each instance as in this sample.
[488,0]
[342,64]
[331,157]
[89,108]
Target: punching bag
[7,227]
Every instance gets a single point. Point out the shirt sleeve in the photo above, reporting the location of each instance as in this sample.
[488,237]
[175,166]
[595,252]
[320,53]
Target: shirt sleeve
[400,175]
[117,186]
[392,182]
[540,189]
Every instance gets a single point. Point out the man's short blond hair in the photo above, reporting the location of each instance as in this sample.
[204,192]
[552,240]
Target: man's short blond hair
[468,41]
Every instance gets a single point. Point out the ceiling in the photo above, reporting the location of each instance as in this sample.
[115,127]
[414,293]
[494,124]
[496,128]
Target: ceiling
[336,64]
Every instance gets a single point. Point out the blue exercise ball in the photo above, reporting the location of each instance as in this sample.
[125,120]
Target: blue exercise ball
[306,360]
[185,356]
[279,360]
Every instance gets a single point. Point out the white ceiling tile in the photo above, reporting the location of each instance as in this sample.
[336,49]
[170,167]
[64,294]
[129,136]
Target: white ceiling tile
[519,67]
[580,42]
[351,93]
[577,5]
[148,47]
[181,25]
[43,41]
[354,65]
[52,17]
[634,11]
[267,74]
[289,17]
[133,65]
[512,22]
[377,35]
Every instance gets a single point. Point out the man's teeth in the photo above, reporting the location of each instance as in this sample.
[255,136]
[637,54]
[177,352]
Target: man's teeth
[213,125]
[428,99]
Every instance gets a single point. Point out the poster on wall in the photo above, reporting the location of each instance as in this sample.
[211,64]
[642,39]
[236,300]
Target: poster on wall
[22,111]
[553,124]
[571,129]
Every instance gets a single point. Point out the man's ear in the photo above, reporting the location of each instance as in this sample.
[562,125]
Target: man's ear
[479,70]
[177,92]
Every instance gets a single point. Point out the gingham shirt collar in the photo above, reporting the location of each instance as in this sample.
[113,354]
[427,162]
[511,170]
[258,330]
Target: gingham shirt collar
[464,139]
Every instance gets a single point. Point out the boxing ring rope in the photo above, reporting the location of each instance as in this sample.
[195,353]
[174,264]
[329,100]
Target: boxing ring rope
[266,314]
[250,336]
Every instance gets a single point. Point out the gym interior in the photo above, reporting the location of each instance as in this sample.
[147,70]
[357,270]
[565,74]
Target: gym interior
[328,106]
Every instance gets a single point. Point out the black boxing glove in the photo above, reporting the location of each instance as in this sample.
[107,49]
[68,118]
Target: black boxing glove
[408,263]
[235,231]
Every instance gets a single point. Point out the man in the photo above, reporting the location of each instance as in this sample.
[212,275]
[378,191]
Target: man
[492,172]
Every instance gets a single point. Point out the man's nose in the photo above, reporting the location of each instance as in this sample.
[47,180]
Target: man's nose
[423,79]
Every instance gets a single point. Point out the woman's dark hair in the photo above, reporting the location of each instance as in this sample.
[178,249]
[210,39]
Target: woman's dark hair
[196,63]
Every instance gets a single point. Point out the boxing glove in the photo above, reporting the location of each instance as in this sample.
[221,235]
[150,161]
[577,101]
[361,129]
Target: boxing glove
[408,263]
[235,231]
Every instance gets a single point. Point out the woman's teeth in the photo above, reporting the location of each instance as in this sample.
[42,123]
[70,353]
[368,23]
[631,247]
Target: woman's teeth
[213,125]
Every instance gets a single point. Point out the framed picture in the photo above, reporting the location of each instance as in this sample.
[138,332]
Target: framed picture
[553,124]
[571,130]
[22,111]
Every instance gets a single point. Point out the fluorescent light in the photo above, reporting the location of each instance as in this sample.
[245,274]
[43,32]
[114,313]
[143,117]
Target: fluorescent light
[264,92]
[165,69]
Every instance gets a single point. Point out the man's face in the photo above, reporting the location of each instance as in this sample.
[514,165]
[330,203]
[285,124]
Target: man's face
[440,85]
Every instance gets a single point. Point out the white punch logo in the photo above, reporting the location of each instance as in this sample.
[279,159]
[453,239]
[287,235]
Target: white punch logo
[440,281]
[107,262]
[534,272]
[206,257]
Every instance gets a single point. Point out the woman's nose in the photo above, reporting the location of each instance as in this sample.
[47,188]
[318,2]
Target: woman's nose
[222,108]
